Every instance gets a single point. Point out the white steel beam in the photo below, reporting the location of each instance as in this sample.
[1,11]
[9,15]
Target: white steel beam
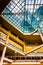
[34,49]
[3,54]
[6,59]
[40,35]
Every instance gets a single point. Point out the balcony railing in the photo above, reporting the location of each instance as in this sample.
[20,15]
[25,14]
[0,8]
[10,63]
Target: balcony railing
[3,38]
[3,35]
[24,58]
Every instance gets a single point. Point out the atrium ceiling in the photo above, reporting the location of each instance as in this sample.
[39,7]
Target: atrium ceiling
[25,15]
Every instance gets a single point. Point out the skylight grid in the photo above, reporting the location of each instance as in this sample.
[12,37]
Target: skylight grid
[16,7]
[31,2]
[25,14]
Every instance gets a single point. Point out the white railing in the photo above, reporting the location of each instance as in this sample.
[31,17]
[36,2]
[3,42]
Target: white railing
[9,45]
[23,58]
[14,47]
[36,54]
[3,38]
[3,35]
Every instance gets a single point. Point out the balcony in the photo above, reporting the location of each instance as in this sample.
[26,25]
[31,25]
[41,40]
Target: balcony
[3,38]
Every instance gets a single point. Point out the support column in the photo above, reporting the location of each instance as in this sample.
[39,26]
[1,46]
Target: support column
[40,35]
[3,54]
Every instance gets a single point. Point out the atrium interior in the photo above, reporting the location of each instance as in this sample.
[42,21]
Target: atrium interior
[21,32]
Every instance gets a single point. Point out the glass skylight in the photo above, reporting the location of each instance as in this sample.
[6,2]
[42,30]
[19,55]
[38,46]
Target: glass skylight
[26,15]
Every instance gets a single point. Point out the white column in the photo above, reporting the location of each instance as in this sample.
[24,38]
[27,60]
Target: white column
[40,35]
[3,54]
